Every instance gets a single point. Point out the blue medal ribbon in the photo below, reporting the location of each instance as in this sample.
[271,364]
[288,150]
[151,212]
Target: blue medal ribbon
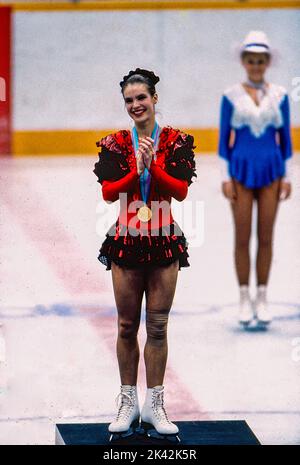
[145,177]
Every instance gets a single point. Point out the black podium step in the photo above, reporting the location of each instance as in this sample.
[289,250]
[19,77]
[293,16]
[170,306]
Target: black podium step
[190,433]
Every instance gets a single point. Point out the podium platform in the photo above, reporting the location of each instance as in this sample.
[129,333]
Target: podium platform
[190,433]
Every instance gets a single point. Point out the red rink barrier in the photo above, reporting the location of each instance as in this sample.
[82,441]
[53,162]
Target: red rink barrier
[5,82]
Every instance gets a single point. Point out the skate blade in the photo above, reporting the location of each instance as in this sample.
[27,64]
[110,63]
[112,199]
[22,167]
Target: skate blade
[116,436]
[148,430]
[262,324]
[245,324]
[254,326]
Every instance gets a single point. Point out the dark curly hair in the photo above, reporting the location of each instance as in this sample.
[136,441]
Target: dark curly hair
[142,76]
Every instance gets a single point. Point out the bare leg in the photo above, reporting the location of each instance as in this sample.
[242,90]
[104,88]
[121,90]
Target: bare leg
[267,205]
[128,289]
[160,290]
[242,215]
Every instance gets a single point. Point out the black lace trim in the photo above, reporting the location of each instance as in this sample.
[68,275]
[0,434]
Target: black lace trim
[132,251]
[181,163]
[111,166]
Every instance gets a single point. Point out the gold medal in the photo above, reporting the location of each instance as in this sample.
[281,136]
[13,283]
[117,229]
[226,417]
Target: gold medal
[144,214]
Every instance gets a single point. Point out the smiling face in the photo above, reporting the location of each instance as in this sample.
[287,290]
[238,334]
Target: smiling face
[255,65]
[140,104]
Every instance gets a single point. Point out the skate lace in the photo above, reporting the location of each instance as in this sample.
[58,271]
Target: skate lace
[158,407]
[125,403]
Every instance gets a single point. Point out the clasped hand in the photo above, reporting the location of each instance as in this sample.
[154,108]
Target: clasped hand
[144,154]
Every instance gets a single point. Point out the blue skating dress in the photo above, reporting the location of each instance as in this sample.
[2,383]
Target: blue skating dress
[262,141]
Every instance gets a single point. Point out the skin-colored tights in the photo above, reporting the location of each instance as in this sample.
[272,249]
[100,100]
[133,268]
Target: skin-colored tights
[267,205]
[129,285]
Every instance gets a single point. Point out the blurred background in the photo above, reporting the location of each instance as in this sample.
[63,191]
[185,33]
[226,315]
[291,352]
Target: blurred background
[60,68]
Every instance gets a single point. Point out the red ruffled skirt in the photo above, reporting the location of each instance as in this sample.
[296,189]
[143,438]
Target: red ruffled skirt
[160,247]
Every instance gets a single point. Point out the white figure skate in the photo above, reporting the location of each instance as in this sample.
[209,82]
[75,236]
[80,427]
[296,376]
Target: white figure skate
[128,415]
[262,311]
[154,419]
[246,313]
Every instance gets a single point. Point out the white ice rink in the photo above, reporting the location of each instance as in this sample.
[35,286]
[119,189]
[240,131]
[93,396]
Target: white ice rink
[58,333]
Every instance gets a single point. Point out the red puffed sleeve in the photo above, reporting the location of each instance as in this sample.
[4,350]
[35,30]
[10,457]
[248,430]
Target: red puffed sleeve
[180,162]
[167,184]
[112,189]
[112,169]
[179,167]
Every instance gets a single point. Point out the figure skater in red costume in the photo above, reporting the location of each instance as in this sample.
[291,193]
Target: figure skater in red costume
[145,247]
